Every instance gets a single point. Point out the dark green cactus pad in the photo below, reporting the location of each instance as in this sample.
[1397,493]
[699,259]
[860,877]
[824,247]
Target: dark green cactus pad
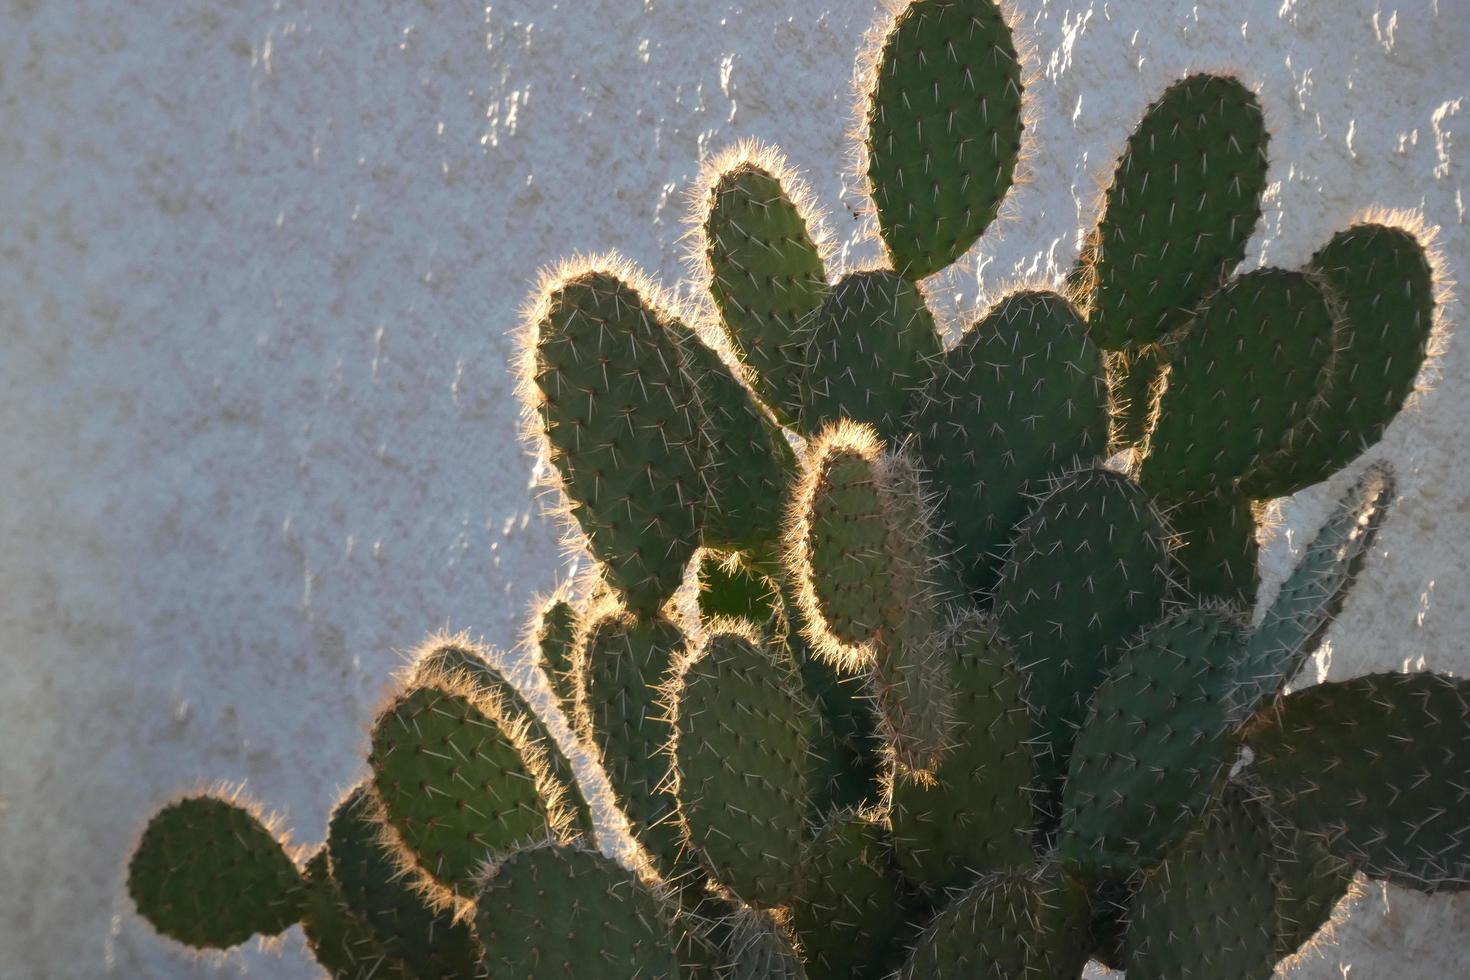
[944,128]
[1383,279]
[621,419]
[429,942]
[1157,745]
[1134,375]
[870,591]
[871,346]
[460,662]
[625,660]
[1019,399]
[1309,601]
[1184,199]
[210,874]
[1216,549]
[743,732]
[1310,882]
[1252,365]
[765,274]
[1380,767]
[759,948]
[746,463]
[1088,569]
[340,940]
[1006,926]
[844,747]
[565,913]
[973,814]
[554,637]
[460,783]
[1208,912]
[851,904]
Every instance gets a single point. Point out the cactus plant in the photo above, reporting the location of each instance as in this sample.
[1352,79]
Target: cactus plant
[958,694]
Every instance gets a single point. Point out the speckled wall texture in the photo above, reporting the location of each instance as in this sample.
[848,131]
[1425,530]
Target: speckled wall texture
[258,266]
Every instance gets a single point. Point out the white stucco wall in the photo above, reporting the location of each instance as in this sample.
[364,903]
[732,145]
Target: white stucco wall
[258,262]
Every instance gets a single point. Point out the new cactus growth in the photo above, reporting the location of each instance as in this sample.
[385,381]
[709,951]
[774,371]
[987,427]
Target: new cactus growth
[953,693]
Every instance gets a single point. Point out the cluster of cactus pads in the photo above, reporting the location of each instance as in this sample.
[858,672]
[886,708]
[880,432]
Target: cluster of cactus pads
[904,659]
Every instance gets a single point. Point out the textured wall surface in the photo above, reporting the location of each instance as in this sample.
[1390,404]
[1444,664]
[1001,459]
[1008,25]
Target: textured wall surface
[258,266]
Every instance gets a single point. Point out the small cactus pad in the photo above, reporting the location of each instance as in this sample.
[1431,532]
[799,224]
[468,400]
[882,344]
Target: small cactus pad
[340,940]
[462,663]
[460,783]
[621,422]
[1007,926]
[1185,197]
[743,731]
[1208,912]
[624,660]
[871,345]
[868,588]
[1157,745]
[553,637]
[429,942]
[1216,549]
[850,905]
[1310,882]
[746,462]
[1087,570]
[1019,399]
[1248,371]
[1311,598]
[765,274]
[1386,286]
[759,948]
[1134,375]
[210,874]
[973,814]
[565,913]
[944,128]
[1380,766]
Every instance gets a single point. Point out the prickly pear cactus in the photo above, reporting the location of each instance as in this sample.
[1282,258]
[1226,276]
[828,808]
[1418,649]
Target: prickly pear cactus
[969,677]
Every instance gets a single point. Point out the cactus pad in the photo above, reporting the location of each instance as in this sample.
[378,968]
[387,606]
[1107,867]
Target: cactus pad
[1310,599]
[553,637]
[458,662]
[1380,766]
[759,948]
[1019,399]
[564,913]
[1386,286]
[623,661]
[1208,912]
[1157,745]
[1135,374]
[1184,199]
[850,906]
[1087,570]
[944,128]
[619,412]
[1251,367]
[340,940]
[459,783]
[765,272]
[1007,926]
[743,731]
[1310,882]
[973,814]
[871,345]
[210,874]
[429,942]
